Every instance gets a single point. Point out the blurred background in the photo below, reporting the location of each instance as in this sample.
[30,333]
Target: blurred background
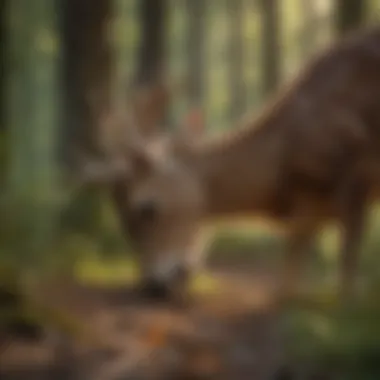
[63,60]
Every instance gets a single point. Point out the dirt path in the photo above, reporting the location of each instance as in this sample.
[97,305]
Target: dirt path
[230,335]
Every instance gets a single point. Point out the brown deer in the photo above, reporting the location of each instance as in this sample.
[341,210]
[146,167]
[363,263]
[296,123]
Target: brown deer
[313,155]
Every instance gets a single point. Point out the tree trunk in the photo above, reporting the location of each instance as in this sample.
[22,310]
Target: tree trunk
[2,61]
[86,75]
[87,85]
[236,56]
[349,15]
[196,47]
[151,58]
[31,120]
[3,68]
[271,46]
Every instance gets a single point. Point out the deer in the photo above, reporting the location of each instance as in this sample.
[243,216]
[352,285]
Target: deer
[311,156]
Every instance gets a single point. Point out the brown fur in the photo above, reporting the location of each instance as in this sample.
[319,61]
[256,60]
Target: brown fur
[312,155]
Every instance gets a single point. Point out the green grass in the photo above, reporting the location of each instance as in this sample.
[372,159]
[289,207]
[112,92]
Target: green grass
[319,333]
[345,340]
[124,271]
[251,242]
[111,273]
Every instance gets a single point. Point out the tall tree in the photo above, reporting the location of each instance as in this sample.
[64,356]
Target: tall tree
[151,58]
[87,83]
[270,46]
[2,61]
[28,215]
[236,57]
[349,15]
[196,50]
[87,59]
[31,119]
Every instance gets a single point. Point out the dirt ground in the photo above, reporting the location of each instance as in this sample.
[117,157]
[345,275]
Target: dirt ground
[230,334]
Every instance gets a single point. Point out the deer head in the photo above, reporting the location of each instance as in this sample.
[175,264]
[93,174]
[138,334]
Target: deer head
[156,192]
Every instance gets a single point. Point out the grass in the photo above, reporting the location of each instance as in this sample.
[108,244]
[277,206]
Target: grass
[318,332]
[345,340]
[241,242]
[120,272]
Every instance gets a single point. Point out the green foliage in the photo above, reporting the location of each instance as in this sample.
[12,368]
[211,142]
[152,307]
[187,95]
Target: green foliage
[343,340]
[253,244]
[38,231]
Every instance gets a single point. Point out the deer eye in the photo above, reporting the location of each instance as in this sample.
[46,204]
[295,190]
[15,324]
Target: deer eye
[147,211]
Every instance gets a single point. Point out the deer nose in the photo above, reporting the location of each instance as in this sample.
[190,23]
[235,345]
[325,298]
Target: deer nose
[153,288]
[160,287]
[169,269]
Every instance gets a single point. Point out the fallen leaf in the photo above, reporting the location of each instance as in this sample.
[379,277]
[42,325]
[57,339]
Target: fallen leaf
[156,336]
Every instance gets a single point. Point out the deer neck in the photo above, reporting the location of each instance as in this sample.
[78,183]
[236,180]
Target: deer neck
[239,172]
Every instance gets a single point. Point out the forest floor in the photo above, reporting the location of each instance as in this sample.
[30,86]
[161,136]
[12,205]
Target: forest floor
[232,333]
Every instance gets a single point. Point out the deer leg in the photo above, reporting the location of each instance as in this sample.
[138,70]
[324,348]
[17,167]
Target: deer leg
[297,248]
[353,213]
